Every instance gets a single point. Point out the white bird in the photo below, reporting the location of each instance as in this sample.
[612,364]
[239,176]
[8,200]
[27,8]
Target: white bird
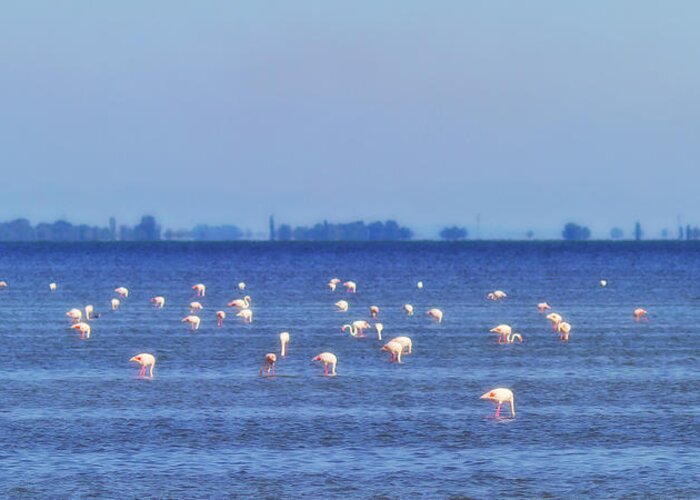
[88,311]
[220,317]
[501,395]
[75,314]
[405,342]
[436,314]
[52,286]
[333,283]
[409,309]
[200,289]
[192,320]
[146,360]
[195,306]
[327,359]
[158,302]
[342,305]
[350,286]
[284,342]
[243,303]
[115,304]
[241,285]
[84,329]
[122,291]
[246,314]
[394,349]
[603,283]
[420,285]
[496,295]
[379,327]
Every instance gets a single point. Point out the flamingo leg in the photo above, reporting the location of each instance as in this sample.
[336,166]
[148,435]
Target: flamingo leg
[142,372]
[498,410]
[325,369]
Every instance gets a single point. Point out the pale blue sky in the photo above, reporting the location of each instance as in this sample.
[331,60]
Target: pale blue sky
[532,113]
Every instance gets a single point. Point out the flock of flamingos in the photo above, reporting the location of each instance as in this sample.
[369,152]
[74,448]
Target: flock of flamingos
[396,347]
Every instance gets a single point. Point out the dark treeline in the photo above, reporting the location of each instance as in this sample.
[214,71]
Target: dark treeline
[22,230]
[353,231]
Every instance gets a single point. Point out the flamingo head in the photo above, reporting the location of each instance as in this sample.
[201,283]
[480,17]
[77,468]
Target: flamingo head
[136,359]
[488,395]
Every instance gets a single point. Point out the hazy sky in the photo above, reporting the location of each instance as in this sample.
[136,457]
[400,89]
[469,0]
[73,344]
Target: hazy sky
[531,113]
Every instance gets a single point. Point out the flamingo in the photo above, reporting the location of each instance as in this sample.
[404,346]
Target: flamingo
[158,302]
[555,319]
[409,309]
[353,330]
[3,284]
[496,295]
[327,359]
[640,314]
[501,395]
[195,306]
[333,283]
[603,283]
[394,349]
[52,286]
[357,328]
[419,285]
[564,330]
[122,292]
[246,314]
[342,305]
[350,286]
[503,331]
[192,320]
[373,311]
[379,327]
[115,304]
[543,306]
[405,342]
[284,342]
[220,317]
[200,289]
[436,314]
[241,285]
[88,312]
[243,303]
[269,366]
[84,329]
[75,315]
[145,360]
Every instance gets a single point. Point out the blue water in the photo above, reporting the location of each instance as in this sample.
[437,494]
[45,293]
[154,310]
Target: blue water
[615,412]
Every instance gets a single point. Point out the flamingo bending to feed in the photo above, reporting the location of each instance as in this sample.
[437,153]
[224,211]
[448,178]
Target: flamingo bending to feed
[84,329]
[409,309]
[405,342]
[436,314]
[122,292]
[350,286]
[52,286]
[564,330]
[158,302]
[503,331]
[246,314]
[243,303]
[374,311]
[327,359]
[543,306]
[88,312]
[192,320]
[269,366]
[115,304]
[195,306]
[342,305]
[555,319]
[394,349]
[332,284]
[501,395]
[379,327]
[146,360]
[496,295]
[75,314]
[284,342]
[220,317]
[640,314]
[3,284]
[200,289]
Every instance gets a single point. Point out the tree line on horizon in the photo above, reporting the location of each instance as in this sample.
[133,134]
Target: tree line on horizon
[148,229]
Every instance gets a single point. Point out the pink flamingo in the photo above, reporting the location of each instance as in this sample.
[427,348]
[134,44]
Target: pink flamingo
[269,367]
[327,359]
[146,360]
[220,316]
[501,395]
